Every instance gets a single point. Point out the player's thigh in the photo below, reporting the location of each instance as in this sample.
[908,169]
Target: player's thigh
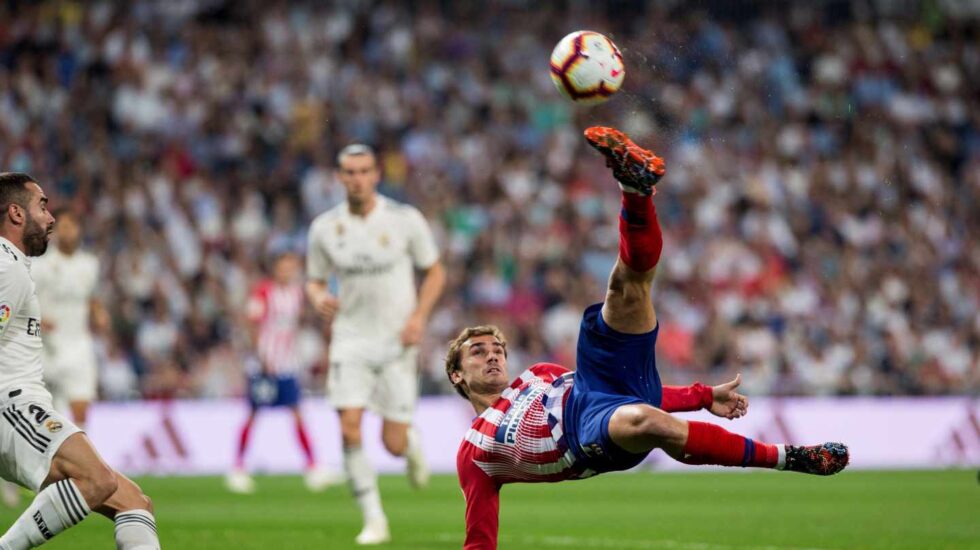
[350,384]
[640,428]
[611,362]
[587,421]
[128,496]
[628,306]
[398,389]
[32,434]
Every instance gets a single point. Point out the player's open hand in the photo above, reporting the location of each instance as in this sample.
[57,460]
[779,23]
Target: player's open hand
[327,307]
[412,332]
[728,403]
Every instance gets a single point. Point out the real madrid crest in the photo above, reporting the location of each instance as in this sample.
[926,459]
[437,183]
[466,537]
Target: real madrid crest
[340,229]
[53,426]
[383,240]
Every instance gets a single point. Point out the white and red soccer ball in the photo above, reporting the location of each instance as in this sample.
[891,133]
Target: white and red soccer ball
[587,67]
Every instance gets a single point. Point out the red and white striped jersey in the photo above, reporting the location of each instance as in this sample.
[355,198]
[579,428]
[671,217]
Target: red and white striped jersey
[520,438]
[277,310]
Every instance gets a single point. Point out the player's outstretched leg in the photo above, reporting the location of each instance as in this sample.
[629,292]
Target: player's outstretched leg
[641,428]
[80,482]
[628,307]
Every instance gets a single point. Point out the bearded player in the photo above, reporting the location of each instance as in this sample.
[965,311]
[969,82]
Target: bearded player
[40,448]
[552,424]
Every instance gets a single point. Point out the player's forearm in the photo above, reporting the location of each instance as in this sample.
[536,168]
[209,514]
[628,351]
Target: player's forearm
[316,291]
[686,398]
[432,287]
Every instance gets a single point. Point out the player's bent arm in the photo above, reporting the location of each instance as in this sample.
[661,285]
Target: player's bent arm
[432,286]
[687,398]
[99,318]
[320,298]
[482,496]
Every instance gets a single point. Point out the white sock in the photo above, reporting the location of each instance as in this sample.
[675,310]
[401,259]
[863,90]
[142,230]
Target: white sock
[56,508]
[136,530]
[363,483]
[781,461]
[414,443]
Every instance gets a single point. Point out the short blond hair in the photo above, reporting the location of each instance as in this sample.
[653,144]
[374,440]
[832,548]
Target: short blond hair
[453,355]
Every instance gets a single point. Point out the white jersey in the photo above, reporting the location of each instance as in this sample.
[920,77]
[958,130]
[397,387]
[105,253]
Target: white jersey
[20,324]
[65,287]
[373,258]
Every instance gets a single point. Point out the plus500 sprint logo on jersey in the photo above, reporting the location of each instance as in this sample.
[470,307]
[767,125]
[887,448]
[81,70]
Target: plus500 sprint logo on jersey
[511,421]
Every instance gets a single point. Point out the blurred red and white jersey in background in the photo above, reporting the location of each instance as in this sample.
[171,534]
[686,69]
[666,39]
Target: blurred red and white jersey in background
[277,309]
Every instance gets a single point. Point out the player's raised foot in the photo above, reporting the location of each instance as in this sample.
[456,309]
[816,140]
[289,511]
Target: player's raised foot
[318,479]
[821,460]
[238,481]
[375,532]
[635,168]
[418,469]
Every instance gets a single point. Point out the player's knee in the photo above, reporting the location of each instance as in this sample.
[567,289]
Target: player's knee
[145,502]
[646,423]
[351,434]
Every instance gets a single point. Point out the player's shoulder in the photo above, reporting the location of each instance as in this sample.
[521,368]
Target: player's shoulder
[262,287]
[327,216]
[396,208]
[548,371]
[7,253]
[12,264]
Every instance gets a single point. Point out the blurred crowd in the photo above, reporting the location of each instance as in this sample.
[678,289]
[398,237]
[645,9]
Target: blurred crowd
[820,209]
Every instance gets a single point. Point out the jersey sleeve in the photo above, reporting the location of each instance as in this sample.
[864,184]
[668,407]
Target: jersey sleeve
[255,309]
[421,244]
[482,496]
[318,266]
[686,398]
[15,290]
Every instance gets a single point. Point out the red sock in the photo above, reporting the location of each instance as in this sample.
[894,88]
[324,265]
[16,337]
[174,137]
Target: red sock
[640,240]
[304,442]
[711,444]
[243,442]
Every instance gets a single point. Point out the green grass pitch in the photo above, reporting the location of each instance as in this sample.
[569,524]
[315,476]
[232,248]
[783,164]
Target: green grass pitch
[702,511]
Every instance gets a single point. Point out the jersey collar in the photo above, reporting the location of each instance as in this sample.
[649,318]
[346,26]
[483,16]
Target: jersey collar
[381,202]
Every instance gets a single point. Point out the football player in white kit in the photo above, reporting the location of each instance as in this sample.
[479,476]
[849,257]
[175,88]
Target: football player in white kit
[40,448]
[372,244]
[66,279]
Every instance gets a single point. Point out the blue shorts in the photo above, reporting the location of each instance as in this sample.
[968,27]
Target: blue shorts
[614,369]
[269,390]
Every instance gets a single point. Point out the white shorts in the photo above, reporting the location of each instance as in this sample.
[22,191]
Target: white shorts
[71,377]
[31,432]
[389,389]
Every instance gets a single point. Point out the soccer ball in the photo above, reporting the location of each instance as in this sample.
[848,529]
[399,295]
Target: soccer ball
[587,67]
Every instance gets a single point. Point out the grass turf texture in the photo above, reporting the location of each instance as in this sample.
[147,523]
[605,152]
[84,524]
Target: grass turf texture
[702,511]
